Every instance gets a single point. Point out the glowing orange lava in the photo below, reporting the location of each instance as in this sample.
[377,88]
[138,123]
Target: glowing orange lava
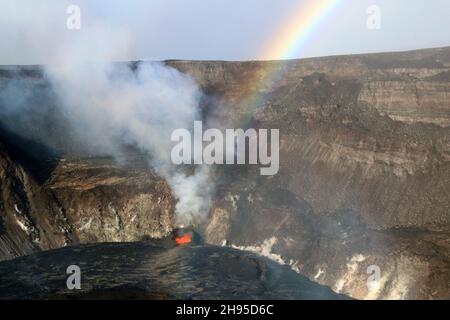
[185,239]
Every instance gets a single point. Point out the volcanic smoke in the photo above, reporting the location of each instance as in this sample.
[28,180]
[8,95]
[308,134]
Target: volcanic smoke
[109,105]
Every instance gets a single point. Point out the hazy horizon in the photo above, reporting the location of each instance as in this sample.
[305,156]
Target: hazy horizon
[35,32]
[249,60]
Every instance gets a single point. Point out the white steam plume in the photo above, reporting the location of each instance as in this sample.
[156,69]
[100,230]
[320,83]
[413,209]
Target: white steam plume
[109,105]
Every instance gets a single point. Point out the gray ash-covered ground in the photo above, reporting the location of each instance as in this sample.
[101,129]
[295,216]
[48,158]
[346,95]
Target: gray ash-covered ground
[155,270]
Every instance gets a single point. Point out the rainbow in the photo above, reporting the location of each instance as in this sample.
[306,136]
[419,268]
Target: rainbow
[294,35]
[288,41]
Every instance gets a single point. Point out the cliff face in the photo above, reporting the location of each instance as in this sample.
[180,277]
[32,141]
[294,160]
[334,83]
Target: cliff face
[409,101]
[364,173]
[82,201]
[105,202]
[29,218]
[363,180]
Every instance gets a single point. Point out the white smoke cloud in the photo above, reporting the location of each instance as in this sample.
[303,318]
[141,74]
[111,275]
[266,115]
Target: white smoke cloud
[194,193]
[109,105]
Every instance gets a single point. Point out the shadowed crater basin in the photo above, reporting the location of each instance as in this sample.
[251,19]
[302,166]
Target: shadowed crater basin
[155,270]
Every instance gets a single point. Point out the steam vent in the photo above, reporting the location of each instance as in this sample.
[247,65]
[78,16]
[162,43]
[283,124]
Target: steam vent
[359,208]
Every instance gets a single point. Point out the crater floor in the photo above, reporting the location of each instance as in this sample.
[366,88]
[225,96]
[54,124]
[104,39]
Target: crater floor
[154,270]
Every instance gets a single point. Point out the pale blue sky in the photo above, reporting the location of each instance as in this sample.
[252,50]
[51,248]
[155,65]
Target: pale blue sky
[31,31]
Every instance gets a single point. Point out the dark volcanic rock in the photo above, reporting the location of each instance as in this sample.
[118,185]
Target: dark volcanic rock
[107,202]
[154,270]
[82,201]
